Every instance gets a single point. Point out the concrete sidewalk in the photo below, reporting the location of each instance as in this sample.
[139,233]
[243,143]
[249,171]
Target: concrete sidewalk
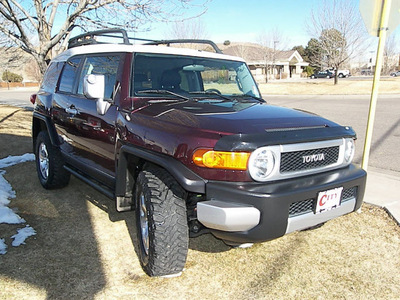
[383,190]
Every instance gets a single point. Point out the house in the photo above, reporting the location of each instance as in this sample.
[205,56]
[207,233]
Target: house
[15,60]
[266,63]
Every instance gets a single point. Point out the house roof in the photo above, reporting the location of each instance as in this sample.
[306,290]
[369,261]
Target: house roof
[254,53]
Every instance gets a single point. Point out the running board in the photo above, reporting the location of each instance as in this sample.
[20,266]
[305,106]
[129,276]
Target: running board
[92,183]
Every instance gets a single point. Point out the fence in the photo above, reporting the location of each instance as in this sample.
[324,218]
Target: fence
[18,84]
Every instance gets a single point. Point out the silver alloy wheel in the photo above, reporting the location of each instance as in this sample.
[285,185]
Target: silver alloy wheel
[144,224]
[43,161]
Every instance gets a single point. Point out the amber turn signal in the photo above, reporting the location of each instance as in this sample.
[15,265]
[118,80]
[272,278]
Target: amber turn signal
[221,160]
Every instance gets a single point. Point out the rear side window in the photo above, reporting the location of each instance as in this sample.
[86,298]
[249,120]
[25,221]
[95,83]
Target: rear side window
[101,65]
[68,75]
[51,77]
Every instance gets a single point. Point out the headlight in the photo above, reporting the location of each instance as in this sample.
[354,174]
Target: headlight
[349,150]
[261,164]
[221,160]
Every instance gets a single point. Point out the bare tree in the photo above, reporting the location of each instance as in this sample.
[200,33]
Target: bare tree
[242,51]
[338,26]
[188,29]
[32,70]
[390,57]
[273,43]
[30,24]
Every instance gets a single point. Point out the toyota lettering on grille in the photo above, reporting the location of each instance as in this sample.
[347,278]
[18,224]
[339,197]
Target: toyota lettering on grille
[313,158]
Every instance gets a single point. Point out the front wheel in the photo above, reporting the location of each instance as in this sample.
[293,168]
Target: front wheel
[161,220]
[49,163]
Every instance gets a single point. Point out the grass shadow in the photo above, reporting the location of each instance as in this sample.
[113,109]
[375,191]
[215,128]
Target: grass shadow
[63,258]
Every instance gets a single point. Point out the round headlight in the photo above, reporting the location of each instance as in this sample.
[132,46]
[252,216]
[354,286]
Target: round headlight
[261,164]
[349,150]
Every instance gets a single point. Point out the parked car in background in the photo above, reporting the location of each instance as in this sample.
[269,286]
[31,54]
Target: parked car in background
[395,74]
[340,73]
[343,73]
[322,74]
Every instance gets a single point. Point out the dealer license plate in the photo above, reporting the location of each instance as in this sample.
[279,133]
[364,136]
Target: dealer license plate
[328,200]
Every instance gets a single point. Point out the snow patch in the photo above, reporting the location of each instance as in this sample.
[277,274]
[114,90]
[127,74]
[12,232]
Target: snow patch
[3,247]
[6,190]
[7,215]
[14,160]
[22,235]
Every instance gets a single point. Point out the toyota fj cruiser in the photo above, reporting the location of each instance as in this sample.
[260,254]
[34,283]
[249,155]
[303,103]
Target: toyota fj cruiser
[183,137]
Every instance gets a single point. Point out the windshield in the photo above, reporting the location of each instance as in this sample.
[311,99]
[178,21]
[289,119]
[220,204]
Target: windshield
[200,77]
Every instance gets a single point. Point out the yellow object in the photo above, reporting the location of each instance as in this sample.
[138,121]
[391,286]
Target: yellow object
[221,160]
[375,85]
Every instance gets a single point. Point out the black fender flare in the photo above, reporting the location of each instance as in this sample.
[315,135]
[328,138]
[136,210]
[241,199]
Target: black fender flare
[189,180]
[51,130]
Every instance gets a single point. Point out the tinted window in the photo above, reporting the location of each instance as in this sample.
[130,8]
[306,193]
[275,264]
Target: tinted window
[68,75]
[51,76]
[101,65]
[184,74]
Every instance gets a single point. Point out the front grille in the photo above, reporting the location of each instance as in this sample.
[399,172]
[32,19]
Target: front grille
[307,206]
[301,207]
[349,194]
[308,159]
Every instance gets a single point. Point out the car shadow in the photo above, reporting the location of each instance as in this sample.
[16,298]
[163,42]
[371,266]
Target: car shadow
[62,260]
[204,243]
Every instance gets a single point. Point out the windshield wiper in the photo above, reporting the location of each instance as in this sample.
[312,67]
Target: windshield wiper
[251,96]
[163,92]
[213,93]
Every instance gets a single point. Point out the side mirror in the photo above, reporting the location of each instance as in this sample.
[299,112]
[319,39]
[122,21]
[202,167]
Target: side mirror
[93,88]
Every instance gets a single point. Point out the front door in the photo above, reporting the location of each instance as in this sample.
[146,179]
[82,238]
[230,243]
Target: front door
[88,139]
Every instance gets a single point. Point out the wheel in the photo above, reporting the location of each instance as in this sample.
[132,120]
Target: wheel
[328,77]
[49,163]
[161,220]
[340,75]
[213,91]
[312,76]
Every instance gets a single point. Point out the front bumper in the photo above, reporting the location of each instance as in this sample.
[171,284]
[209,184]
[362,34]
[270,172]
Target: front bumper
[255,212]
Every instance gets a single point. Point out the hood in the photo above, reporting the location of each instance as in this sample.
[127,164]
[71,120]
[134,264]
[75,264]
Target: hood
[234,117]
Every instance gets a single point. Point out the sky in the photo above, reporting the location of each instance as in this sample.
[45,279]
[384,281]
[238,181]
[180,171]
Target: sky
[244,21]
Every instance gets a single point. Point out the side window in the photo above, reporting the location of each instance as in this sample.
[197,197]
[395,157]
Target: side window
[51,76]
[101,65]
[68,75]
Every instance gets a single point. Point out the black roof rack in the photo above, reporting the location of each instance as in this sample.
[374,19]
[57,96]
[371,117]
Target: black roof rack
[94,37]
[186,41]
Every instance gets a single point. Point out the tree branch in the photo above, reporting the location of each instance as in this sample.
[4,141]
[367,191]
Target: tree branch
[12,17]
[27,15]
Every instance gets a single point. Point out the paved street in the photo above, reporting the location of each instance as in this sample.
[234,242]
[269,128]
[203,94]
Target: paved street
[344,109]
[17,97]
[353,111]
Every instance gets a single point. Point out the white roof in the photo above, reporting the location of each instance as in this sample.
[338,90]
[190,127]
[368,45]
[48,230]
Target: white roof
[117,48]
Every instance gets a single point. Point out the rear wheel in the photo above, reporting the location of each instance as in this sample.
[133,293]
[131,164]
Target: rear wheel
[161,221]
[49,163]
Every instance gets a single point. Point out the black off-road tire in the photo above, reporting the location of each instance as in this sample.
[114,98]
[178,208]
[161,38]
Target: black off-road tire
[49,163]
[161,220]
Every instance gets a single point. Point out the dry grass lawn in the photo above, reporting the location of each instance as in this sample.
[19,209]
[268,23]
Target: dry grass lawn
[84,249]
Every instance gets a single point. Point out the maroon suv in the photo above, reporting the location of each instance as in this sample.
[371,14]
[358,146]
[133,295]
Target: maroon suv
[183,137]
